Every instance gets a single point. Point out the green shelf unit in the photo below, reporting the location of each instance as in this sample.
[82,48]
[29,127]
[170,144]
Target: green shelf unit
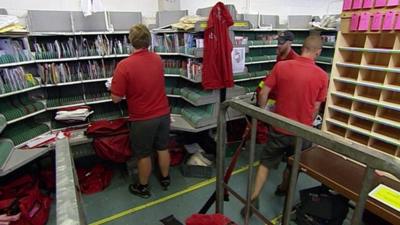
[95,92]
[22,132]
[19,106]
[6,148]
[200,116]
[64,96]
[106,111]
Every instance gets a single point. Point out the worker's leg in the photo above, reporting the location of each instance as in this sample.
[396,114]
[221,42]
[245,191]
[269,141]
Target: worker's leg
[164,161]
[261,178]
[142,135]
[270,158]
[282,189]
[144,170]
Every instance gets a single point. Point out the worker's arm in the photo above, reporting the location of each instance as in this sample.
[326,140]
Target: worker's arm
[317,105]
[269,84]
[263,96]
[115,98]
[119,84]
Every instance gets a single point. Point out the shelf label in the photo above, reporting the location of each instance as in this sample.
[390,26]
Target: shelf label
[235,24]
[364,21]
[241,24]
[203,25]
[357,4]
[347,5]
[388,22]
[355,19]
[368,4]
[393,3]
[377,21]
[387,196]
[380,3]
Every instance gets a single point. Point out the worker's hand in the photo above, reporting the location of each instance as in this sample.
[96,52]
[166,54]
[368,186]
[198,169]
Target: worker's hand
[108,83]
[5,220]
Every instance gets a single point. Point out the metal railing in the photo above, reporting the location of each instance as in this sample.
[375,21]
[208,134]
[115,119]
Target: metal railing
[68,197]
[373,160]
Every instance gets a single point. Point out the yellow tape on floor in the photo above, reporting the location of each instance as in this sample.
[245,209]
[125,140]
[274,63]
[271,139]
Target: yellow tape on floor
[276,220]
[166,198]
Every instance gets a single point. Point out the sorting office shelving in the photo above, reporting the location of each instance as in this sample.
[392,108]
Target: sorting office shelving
[363,103]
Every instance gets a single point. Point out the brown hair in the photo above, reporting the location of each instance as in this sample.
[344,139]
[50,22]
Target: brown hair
[313,43]
[139,36]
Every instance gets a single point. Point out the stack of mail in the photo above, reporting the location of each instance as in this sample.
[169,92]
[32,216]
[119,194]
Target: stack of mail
[79,114]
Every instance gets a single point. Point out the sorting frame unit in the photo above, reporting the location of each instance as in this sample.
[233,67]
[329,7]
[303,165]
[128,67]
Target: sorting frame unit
[48,70]
[363,103]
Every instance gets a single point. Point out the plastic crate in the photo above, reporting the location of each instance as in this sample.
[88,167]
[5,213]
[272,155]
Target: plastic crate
[197,171]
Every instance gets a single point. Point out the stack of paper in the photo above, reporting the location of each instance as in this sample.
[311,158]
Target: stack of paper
[73,115]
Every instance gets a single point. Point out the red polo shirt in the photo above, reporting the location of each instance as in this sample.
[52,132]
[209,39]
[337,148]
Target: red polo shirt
[140,78]
[298,84]
[292,55]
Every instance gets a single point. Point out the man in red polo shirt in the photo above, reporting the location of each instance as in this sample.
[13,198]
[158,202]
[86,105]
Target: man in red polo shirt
[284,51]
[140,78]
[301,87]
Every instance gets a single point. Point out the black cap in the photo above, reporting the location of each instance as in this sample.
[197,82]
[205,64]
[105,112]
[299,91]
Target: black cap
[285,36]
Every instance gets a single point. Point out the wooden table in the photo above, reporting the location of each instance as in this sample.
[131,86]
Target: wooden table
[345,177]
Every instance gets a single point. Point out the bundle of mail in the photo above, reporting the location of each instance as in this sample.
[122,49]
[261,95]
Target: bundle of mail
[10,23]
[14,79]
[14,50]
[51,73]
[81,47]
[198,156]
[327,22]
[188,22]
[74,115]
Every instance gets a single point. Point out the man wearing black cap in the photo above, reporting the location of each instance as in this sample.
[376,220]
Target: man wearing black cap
[284,50]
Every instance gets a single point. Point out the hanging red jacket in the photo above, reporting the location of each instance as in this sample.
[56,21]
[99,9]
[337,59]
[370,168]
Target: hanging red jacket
[217,61]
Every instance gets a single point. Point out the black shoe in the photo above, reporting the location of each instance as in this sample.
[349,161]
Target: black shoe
[255,203]
[165,182]
[140,190]
[280,192]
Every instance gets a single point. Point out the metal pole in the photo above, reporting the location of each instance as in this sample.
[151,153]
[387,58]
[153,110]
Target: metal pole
[362,199]
[221,131]
[251,161]
[293,181]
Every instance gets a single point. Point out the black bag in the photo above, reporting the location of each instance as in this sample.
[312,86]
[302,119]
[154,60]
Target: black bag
[320,207]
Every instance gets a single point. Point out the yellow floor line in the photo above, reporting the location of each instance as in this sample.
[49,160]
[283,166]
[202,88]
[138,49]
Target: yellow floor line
[166,198]
[276,220]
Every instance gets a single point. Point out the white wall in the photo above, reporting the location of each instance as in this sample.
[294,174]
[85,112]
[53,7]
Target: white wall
[283,8]
[149,7]
[169,5]
[19,7]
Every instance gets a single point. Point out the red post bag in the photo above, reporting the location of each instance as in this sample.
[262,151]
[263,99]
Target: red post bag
[93,180]
[205,219]
[22,196]
[111,139]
